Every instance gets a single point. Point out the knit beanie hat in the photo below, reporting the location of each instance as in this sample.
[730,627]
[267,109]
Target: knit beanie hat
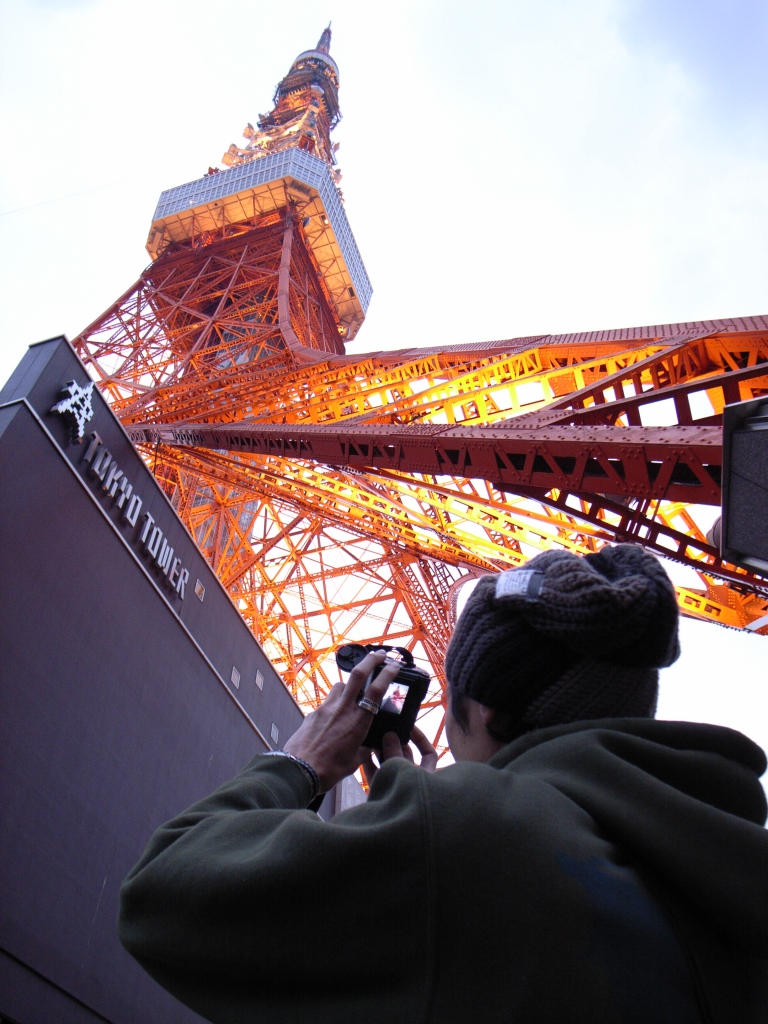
[566,639]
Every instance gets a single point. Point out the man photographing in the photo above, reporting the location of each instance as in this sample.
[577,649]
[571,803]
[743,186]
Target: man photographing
[580,862]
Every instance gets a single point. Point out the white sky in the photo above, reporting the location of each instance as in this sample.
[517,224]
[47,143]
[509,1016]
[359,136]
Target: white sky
[509,169]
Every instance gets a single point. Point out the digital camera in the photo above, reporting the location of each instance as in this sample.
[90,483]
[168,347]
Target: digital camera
[404,696]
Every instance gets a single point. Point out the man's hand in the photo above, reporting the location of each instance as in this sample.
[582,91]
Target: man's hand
[329,739]
[391,747]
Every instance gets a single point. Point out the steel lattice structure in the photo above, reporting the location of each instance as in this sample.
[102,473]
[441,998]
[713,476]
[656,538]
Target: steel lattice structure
[348,497]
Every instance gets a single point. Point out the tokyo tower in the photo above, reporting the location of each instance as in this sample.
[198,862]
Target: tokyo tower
[350,497]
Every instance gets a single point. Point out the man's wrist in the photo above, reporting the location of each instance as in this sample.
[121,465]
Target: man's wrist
[309,772]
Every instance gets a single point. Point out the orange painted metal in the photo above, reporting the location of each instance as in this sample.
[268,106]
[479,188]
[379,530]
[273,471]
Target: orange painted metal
[350,497]
[675,463]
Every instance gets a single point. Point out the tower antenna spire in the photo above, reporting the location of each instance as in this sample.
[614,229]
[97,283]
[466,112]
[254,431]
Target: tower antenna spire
[305,112]
[324,43]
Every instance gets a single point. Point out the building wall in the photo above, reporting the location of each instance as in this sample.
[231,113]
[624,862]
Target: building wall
[119,708]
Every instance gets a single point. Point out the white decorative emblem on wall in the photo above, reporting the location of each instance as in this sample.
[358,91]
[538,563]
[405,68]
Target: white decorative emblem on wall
[78,405]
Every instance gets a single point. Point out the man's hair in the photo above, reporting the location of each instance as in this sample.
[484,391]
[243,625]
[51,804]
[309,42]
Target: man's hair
[458,707]
[458,704]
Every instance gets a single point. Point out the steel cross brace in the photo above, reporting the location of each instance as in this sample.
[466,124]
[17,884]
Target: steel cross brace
[673,463]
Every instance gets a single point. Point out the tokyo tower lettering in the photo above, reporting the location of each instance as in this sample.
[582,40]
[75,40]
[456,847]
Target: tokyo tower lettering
[103,467]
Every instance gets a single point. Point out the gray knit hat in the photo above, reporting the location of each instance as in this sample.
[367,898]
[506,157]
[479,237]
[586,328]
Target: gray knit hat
[566,638]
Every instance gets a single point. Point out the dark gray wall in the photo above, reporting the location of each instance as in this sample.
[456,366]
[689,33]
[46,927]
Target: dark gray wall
[118,710]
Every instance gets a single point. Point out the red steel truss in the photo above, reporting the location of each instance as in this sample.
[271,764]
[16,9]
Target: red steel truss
[335,504]
[675,463]
[349,497]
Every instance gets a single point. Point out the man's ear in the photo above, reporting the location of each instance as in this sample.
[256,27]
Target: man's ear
[497,723]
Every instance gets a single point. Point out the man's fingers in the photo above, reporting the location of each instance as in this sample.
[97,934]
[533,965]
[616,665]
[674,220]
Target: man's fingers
[360,673]
[335,694]
[425,748]
[389,670]
[420,741]
[357,677]
[391,746]
[368,765]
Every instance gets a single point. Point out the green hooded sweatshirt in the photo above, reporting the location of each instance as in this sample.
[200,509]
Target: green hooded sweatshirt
[611,872]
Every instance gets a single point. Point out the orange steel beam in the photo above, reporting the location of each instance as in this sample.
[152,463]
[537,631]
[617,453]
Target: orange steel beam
[632,524]
[395,454]
[674,463]
[378,384]
[720,389]
[510,525]
[461,387]
[727,369]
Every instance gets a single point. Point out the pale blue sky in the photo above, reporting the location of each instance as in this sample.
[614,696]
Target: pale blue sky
[509,169]
[722,44]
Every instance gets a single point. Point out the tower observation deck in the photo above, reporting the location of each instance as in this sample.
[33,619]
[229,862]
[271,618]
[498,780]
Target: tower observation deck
[350,497]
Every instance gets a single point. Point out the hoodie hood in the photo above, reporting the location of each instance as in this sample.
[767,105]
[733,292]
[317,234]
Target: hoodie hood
[682,799]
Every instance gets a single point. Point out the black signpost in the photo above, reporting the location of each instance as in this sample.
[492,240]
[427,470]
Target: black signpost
[744,528]
[130,688]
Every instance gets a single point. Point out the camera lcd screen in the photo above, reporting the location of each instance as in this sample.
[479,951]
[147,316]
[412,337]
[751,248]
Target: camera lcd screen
[394,698]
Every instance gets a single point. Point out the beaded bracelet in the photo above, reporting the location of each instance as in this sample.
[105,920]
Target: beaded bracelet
[308,770]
